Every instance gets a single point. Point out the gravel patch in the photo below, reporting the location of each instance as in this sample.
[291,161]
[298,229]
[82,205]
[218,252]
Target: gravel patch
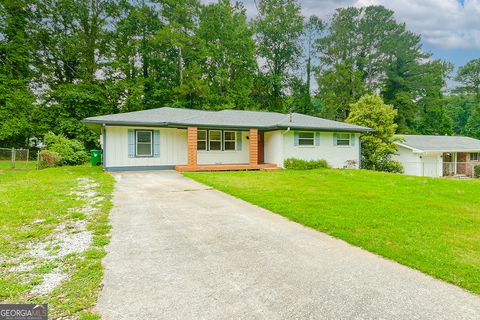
[69,237]
[50,281]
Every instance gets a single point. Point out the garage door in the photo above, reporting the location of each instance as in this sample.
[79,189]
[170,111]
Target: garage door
[430,166]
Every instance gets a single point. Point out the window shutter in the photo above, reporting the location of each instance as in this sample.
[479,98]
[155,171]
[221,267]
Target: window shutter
[131,143]
[295,138]
[334,139]
[156,143]
[317,138]
[352,139]
[239,140]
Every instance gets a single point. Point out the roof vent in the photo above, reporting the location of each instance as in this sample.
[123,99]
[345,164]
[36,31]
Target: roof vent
[290,115]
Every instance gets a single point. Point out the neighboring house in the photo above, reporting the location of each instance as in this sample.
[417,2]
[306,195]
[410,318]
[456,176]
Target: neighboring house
[193,140]
[437,156]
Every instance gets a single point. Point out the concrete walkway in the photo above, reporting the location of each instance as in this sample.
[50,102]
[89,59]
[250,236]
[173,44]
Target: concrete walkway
[180,250]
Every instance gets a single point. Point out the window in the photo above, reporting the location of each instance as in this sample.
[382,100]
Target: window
[306,138]
[144,143]
[228,140]
[343,139]
[215,140]
[202,140]
[473,156]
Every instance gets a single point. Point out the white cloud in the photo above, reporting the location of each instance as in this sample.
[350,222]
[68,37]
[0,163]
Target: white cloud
[442,23]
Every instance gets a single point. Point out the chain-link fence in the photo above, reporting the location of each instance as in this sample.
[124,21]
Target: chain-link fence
[11,158]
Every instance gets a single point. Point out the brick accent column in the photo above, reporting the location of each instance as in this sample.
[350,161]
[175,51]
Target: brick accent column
[253,146]
[192,146]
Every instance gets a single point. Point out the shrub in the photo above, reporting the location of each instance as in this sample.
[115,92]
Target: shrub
[48,159]
[71,152]
[476,171]
[390,166]
[298,164]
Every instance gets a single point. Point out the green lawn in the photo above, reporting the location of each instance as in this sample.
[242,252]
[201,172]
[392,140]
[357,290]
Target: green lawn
[7,164]
[432,225]
[34,204]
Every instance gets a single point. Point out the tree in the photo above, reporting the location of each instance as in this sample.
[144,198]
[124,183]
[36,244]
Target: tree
[472,127]
[129,69]
[367,51]
[16,99]
[228,54]
[73,51]
[458,108]
[312,32]
[174,55]
[433,118]
[377,146]
[469,76]
[278,27]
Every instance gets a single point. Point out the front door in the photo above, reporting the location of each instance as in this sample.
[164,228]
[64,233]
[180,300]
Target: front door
[260,146]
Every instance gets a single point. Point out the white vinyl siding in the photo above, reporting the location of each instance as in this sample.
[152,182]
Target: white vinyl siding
[335,156]
[173,147]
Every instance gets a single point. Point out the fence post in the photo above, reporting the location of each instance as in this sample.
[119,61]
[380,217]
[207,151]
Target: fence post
[38,160]
[13,158]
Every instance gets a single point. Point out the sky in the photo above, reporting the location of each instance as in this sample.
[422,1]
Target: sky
[450,29]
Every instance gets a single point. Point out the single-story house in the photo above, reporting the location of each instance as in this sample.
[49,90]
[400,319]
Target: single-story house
[437,156]
[194,140]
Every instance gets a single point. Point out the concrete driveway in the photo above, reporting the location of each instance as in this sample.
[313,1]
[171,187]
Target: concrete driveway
[180,250]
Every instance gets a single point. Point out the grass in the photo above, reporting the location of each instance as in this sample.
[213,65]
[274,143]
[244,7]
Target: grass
[33,203]
[429,224]
[7,164]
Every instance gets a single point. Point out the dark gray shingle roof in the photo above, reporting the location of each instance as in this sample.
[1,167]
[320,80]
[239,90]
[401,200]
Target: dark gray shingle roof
[440,143]
[176,117]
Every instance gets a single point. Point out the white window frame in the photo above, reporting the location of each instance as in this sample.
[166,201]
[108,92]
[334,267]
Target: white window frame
[210,140]
[344,139]
[476,156]
[234,140]
[306,139]
[143,143]
[205,140]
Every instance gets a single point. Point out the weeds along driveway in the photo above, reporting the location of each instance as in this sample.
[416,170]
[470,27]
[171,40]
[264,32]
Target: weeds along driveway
[180,250]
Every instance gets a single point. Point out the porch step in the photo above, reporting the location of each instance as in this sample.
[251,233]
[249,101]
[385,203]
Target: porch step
[461,177]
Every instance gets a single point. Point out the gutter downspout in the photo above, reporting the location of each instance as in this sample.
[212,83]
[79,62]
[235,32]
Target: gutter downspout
[359,152]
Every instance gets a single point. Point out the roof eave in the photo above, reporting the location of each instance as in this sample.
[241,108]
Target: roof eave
[323,129]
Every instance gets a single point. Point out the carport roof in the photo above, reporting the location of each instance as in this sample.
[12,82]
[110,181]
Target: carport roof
[421,143]
[177,117]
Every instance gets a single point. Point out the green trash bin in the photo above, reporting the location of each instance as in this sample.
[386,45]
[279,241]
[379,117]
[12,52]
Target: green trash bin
[96,157]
